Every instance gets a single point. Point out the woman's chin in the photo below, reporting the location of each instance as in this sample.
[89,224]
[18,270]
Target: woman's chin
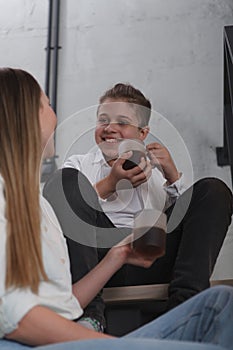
[48,152]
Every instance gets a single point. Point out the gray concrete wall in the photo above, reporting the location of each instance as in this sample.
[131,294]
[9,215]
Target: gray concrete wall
[171,50]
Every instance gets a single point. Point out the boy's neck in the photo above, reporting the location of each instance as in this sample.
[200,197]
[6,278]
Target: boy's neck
[109,160]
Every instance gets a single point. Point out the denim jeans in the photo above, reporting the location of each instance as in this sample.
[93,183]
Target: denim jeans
[204,322]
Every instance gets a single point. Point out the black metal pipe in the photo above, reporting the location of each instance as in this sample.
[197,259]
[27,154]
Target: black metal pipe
[51,77]
[48,49]
[56,48]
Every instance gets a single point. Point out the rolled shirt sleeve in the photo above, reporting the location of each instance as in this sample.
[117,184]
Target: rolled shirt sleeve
[14,305]
[175,190]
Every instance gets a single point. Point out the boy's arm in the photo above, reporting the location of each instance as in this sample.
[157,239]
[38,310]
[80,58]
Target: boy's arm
[105,187]
[160,156]
[136,176]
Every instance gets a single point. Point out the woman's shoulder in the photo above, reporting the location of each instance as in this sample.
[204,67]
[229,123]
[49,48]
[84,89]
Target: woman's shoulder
[1,182]
[2,197]
[48,215]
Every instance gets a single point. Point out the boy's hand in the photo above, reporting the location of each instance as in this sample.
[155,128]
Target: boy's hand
[137,175]
[160,156]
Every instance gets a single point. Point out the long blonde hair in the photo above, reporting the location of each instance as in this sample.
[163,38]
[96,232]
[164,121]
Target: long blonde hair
[20,157]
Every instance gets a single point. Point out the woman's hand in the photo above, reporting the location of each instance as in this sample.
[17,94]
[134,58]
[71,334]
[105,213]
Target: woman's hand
[124,253]
[117,256]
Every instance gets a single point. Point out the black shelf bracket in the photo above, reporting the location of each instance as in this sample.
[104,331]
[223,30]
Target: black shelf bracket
[225,153]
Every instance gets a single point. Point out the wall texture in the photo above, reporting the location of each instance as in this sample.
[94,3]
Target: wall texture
[171,50]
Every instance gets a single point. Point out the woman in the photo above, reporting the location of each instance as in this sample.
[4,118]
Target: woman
[37,303]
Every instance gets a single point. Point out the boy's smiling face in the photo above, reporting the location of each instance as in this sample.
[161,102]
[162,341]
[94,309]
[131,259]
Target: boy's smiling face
[116,120]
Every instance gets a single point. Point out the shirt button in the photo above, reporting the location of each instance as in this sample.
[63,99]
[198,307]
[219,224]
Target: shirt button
[46,228]
[63,260]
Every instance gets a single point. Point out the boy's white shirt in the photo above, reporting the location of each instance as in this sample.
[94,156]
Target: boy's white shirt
[122,206]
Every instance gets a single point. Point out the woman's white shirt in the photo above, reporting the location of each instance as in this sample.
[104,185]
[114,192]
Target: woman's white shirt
[55,294]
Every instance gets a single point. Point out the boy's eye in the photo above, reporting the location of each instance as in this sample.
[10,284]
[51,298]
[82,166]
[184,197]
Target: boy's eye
[106,121]
[103,121]
[123,122]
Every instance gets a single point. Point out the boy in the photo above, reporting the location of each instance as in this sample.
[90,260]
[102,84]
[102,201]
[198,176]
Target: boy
[193,246]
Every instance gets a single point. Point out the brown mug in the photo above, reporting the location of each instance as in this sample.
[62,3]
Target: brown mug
[149,234]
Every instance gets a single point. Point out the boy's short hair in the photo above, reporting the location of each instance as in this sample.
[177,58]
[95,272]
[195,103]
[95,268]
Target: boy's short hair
[128,93]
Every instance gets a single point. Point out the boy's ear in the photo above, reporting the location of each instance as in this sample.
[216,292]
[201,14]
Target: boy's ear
[144,132]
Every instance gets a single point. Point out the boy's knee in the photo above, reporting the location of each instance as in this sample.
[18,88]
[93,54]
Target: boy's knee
[215,189]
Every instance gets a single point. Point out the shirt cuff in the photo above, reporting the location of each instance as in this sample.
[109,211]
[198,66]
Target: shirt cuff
[176,188]
[111,198]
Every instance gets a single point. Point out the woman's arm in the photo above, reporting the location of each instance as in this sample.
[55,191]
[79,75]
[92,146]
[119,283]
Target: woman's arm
[87,287]
[41,326]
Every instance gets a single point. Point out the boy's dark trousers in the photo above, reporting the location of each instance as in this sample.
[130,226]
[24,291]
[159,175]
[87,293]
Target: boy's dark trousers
[192,247]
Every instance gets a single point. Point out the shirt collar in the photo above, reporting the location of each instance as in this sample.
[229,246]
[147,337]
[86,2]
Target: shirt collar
[99,158]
